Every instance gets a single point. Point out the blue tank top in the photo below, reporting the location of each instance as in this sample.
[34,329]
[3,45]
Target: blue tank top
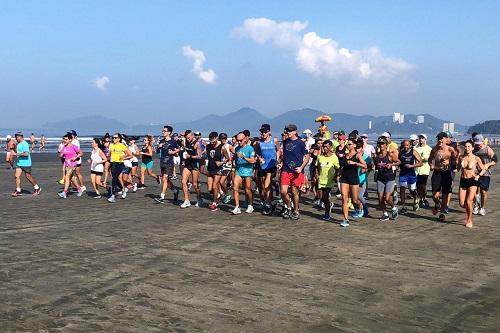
[268,153]
[407,158]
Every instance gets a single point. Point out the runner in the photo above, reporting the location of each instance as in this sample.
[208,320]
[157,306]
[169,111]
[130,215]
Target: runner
[78,171]
[203,149]
[32,142]
[267,159]
[23,165]
[245,158]
[441,180]
[216,155]
[410,159]
[327,165]
[147,162]
[167,149]
[119,153]
[349,179]
[192,156]
[71,155]
[10,147]
[43,142]
[424,150]
[294,157]
[386,178]
[363,180]
[227,168]
[132,146]
[488,158]
[470,165]
[107,164]
[97,161]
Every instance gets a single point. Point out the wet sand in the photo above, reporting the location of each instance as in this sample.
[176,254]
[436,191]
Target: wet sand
[84,265]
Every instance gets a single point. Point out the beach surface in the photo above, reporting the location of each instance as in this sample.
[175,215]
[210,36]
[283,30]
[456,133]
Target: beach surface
[84,265]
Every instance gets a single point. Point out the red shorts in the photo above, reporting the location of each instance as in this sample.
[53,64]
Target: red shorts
[292,178]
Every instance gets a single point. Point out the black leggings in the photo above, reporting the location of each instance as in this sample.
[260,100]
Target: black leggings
[116,170]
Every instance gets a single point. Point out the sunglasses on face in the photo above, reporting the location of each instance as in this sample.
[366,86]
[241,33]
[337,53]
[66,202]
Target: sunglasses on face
[115,137]
[239,141]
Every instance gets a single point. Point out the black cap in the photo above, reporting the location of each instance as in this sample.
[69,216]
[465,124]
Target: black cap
[222,136]
[290,128]
[441,135]
[18,134]
[265,128]
[73,132]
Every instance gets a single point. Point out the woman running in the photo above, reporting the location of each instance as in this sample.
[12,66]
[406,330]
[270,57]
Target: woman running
[147,162]
[119,153]
[349,179]
[107,164]
[97,161]
[469,165]
[386,178]
[227,167]
[132,146]
[71,154]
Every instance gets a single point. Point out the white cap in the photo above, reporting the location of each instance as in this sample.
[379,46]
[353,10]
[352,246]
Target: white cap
[386,134]
[413,137]
[424,135]
[307,131]
[8,137]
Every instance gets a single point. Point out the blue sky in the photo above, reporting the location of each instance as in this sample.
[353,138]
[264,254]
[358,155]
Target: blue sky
[125,59]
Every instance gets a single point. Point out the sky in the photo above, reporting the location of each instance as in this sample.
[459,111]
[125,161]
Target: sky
[155,62]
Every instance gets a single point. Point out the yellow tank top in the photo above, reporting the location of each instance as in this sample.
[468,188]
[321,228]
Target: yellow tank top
[117,150]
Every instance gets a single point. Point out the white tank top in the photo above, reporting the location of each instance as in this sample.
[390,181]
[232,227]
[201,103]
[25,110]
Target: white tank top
[133,151]
[95,159]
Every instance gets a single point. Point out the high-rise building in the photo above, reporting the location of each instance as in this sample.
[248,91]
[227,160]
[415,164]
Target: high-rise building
[369,124]
[398,117]
[420,119]
[445,127]
[451,127]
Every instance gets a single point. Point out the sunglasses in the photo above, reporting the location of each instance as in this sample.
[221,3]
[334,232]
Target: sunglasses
[115,137]
[239,141]
[381,143]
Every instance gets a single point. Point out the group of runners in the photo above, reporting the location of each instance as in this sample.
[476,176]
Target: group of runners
[283,172]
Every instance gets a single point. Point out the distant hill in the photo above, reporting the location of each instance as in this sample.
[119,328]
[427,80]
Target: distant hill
[487,127]
[88,125]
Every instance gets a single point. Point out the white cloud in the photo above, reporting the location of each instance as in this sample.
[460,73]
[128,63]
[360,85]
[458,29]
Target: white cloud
[199,59]
[323,56]
[101,83]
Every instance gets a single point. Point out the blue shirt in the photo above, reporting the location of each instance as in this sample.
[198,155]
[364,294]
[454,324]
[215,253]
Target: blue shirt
[165,157]
[362,175]
[293,154]
[23,161]
[243,167]
[268,154]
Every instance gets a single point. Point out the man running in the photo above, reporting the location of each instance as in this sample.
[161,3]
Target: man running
[167,149]
[216,155]
[24,165]
[440,160]
[192,156]
[245,158]
[10,147]
[489,159]
[267,166]
[78,171]
[294,157]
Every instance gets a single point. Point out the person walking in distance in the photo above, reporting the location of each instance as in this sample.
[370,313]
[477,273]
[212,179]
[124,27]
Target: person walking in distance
[294,158]
[488,158]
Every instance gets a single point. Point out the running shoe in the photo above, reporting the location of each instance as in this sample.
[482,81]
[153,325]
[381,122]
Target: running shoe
[326,217]
[295,216]
[185,204]
[266,209]
[236,211]
[190,185]
[396,197]
[61,181]
[436,208]
[158,179]
[445,211]
[442,217]
[475,210]
[83,188]
[79,193]
[62,195]
[286,213]
[385,217]
[160,200]
[176,194]
[213,206]
[124,193]
[17,194]
[394,213]
[97,196]
[226,199]
[482,212]
[174,177]
[37,191]
[249,209]
[111,198]
[199,202]
[134,189]
[403,210]
[344,223]
[426,203]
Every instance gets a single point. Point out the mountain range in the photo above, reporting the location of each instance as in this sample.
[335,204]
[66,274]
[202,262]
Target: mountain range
[247,118]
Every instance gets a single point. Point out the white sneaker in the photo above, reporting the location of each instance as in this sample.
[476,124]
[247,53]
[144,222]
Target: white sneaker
[134,189]
[185,204]
[111,198]
[83,188]
[475,210]
[482,212]
[199,202]
[236,211]
[124,193]
[249,209]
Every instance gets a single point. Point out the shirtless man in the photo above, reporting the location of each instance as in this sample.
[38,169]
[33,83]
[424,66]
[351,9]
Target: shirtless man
[32,142]
[441,158]
[10,147]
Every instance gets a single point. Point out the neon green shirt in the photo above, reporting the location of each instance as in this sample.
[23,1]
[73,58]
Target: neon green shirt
[327,166]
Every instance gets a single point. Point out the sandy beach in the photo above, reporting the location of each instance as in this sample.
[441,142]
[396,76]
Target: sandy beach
[84,265]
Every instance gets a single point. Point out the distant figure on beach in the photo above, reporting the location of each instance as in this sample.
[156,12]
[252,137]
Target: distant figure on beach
[488,158]
[32,142]
[10,147]
[43,141]
[24,165]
